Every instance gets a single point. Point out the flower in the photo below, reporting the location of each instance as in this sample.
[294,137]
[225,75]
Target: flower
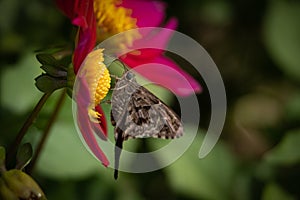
[93,83]
[90,115]
[139,14]
[98,20]
[81,14]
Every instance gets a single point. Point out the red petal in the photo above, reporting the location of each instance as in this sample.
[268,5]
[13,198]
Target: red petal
[80,21]
[101,127]
[81,13]
[77,9]
[85,44]
[88,135]
[83,100]
[81,91]
[66,6]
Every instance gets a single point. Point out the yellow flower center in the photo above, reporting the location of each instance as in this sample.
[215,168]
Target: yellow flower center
[113,19]
[98,80]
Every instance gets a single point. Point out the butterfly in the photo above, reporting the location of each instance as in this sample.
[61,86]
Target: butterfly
[138,113]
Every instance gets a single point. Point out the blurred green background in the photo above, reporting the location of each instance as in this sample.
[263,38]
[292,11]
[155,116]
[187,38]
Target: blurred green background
[256,46]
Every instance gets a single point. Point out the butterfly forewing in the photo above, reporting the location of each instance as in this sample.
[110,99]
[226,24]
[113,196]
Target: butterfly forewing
[138,113]
[150,117]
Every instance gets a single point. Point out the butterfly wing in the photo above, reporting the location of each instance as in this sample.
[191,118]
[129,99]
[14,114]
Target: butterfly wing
[137,113]
[148,116]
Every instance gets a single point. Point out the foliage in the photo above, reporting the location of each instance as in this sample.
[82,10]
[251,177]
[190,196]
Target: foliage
[255,44]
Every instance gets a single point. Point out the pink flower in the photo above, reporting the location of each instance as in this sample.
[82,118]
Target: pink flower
[152,14]
[86,125]
[109,17]
[81,14]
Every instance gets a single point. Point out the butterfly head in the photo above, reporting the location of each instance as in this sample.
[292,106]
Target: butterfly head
[129,76]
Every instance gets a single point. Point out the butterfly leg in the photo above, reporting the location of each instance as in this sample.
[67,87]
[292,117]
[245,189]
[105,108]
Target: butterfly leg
[106,101]
[115,77]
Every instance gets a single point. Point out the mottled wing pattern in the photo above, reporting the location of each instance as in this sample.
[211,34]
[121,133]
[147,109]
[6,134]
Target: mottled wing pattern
[140,114]
[137,113]
[148,116]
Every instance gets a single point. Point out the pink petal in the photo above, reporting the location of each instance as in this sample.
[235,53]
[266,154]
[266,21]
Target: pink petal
[83,101]
[148,13]
[150,38]
[156,37]
[101,127]
[88,136]
[159,39]
[85,125]
[165,72]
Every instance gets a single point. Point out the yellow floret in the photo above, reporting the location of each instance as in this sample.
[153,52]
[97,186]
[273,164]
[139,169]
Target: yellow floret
[98,80]
[103,86]
[112,19]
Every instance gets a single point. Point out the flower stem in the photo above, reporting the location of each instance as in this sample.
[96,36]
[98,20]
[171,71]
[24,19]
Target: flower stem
[13,148]
[42,142]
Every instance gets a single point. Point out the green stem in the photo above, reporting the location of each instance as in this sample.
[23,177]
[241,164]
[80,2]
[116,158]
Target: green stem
[13,148]
[52,119]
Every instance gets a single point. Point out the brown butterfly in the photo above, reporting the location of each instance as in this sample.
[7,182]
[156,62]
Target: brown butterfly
[138,113]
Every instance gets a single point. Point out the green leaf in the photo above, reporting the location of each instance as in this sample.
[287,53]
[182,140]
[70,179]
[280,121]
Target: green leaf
[48,59]
[17,85]
[24,155]
[64,155]
[281,33]
[102,186]
[65,62]
[252,105]
[47,84]
[242,185]
[292,108]
[274,192]
[63,190]
[287,151]
[53,71]
[207,178]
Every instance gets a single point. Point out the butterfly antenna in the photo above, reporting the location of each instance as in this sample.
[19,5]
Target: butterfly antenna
[118,149]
